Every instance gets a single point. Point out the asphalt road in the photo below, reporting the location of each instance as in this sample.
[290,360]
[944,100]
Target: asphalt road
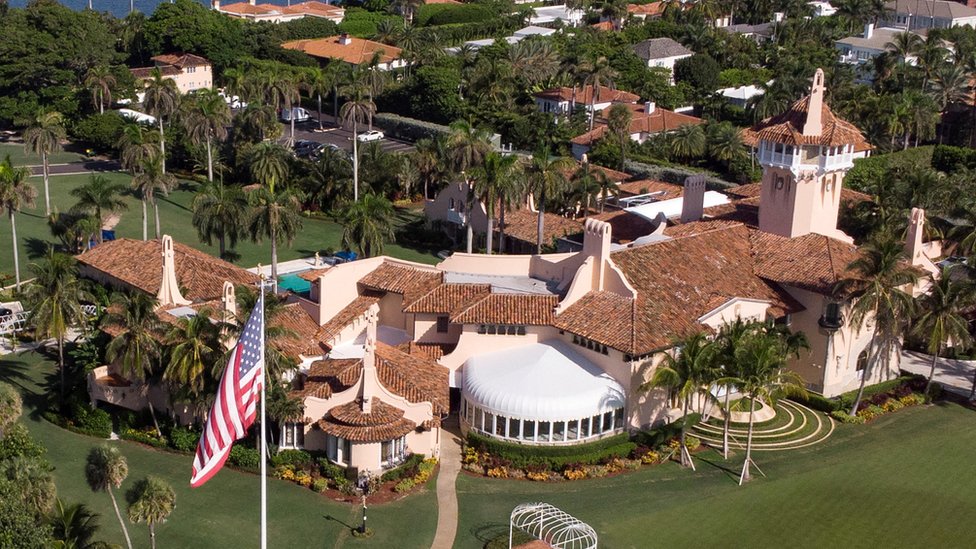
[333,134]
[83,166]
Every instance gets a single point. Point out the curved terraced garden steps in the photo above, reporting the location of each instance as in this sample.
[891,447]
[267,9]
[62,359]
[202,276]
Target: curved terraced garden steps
[795,426]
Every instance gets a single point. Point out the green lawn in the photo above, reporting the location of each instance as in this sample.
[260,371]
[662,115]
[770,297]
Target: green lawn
[34,234]
[906,480]
[21,158]
[225,511]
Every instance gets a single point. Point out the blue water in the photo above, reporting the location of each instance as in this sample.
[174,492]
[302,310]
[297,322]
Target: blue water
[120,8]
[294,283]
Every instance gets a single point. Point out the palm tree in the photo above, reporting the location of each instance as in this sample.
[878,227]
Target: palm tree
[357,108]
[725,143]
[75,526]
[321,81]
[101,81]
[468,147]
[268,164]
[99,197]
[368,224]
[11,406]
[488,181]
[618,122]
[282,91]
[275,214]
[904,45]
[153,179]
[598,73]
[151,501]
[206,118]
[55,299]
[876,279]
[546,176]
[588,175]
[685,373]
[161,100]
[730,339]
[406,8]
[761,360]
[276,362]
[32,481]
[16,193]
[219,212]
[688,141]
[136,145]
[194,343]
[43,137]
[106,468]
[942,322]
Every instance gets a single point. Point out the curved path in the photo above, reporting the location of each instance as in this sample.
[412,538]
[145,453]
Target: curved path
[804,427]
[447,503]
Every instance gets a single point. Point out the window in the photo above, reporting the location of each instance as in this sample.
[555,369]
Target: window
[514,428]
[572,430]
[862,363]
[501,329]
[393,451]
[489,422]
[451,204]
[530,431]
[544,429]
[608,421]
[442,324]
[338,449]
[293,435]
[500,425]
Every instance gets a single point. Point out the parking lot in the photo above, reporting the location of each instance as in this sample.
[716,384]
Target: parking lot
[338,136]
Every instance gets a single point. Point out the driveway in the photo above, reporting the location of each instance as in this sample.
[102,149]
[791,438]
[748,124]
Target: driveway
[82,166]
[954,375]
[333,134]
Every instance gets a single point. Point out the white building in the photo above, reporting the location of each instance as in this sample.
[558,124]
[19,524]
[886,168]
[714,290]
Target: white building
[548,15]
[929,14]
[822,9]
[856,50]
[662,52]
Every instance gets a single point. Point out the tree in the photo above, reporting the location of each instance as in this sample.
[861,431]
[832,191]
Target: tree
[725,143]
[75,526]
[268,164]
[468,146]
[55,301]
[597,73]
[761,360]
[19,527]
[99,197]
[219,212]
[942,322]
[275,214]
[11,406]
[368,224]
[875,282]
[43,137]
[685,372]
[136,145]
[593,178]
[206,117]
[106,468]
[730,339]
[153,179]
[546,176]
[101,81]
[282,90]
[32,481]
[161,100]
[688,141]
[618,122]
[151,501]
[488,184]
[357,108]
[16,193]
[194,347]
[700,71]
[905,45]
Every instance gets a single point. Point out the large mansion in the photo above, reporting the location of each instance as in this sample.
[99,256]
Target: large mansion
[551,348]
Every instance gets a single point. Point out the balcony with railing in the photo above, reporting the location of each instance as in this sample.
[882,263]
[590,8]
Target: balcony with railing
[112,388]
[805,156]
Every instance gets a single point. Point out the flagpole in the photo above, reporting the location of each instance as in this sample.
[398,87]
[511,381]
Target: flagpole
[264,445]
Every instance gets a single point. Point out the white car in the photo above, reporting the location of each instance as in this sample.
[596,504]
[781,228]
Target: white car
[371,135]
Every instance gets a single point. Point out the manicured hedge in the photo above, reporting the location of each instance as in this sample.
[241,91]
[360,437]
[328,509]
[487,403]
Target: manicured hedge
[817,402]
[408,128]
[448,14]
[149,439]
[947,158]
[296,458]
[846,400]
[406,469]
[183,439]
[244,457]
[553,457]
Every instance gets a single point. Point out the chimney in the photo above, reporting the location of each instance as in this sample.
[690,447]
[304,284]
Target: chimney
[649,107]
[778,17]
[913,244]
[252,2]
[216,5]
[169,290]
[814,126]
[344,39]
[370,380]
[868,30]
[693,199]
[596,244]
[229,301]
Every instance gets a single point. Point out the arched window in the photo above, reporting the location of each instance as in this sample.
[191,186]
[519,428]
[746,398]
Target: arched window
[862,361]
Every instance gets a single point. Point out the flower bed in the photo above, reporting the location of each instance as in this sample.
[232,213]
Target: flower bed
[327,478]
[900,396]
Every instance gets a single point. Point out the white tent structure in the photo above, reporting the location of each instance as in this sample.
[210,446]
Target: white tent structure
[541,393]
[551,525]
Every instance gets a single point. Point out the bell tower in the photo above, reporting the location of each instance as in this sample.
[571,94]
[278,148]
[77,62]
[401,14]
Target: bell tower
[805,154]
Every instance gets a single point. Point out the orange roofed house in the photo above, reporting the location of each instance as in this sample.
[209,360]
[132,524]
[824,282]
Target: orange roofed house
[274,13]
[350,49]
[563,101]
[647,120]
[190,72]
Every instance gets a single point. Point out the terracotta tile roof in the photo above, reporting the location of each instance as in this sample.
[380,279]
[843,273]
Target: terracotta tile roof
[533,310]
[384,422]
[648,10]
[245,8]
[300,330]
[315,9]
[787,128]
[448,298]
[146,72]
[810,262]
[523,225]
[625,226]
[645,186]
[181,60]
[604,317]
[312,275]
[327,377]
[410,282]
[413,377]
[584,95]
[343,318]
[753,190]
[139,263]
[659,121]
[433,351]
[603,26]
[357,51]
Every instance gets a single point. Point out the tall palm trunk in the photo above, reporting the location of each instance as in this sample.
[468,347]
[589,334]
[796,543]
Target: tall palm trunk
[61,364]
[725,428]
[490,238]
[540,222]
[867,367]
[745,465]
[220,243]
[319,98]
[156,215]
[162,143]
[274,255]
[209,159]
[291,115]
[152,535]
[501,229]
[355,161]
[47,190]
[935,360]
[683,448]
[13,233]
[125,531]
[335,103]
[145,221]
[101,102]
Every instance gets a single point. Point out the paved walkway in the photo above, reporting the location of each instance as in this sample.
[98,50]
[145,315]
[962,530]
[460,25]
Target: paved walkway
[954,375]
[447,503]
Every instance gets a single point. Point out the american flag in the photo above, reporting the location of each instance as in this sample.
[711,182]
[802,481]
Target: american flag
[235,407]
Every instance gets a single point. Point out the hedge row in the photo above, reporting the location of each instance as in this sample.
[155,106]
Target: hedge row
[553,457]
[673,174]
[409,129]
[447,14]
[817,402]
[659,436]
[846,400]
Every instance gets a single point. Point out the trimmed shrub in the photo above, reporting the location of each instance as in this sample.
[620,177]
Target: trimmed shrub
[661,435]
[244,458]
[101,131]
[816,402]
[844,417]
[408,128]
[320,484]
[17,442]
[846,400]
[144,437]
[947,158]
[452,14]
[295,458]
[408,468]
[184,439]
[404,485]
[331,470]
[692,443]
[92,421]
[553,457]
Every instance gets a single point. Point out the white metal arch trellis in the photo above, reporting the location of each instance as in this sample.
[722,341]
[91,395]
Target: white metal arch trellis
[551,525]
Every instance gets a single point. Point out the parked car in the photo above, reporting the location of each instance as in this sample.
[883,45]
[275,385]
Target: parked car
[304,148]
[298,113]
[371,135]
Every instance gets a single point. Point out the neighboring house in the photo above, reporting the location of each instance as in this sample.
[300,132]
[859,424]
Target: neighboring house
[190,72]
[553,15]
[929,14]
[760,33]
[514,38]
[562,101]
[648,119]
[643,12]
[740,96]
[857,50]
[662,52]
[351,50]
[274,13]
[822,9]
